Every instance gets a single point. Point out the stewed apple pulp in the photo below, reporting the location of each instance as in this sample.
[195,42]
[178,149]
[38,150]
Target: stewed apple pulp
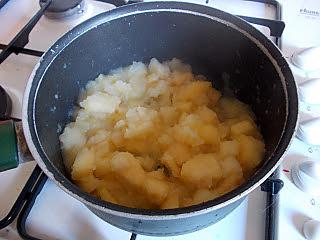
[156,136]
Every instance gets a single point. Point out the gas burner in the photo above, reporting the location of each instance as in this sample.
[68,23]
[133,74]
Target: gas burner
[63,8]
[6,106]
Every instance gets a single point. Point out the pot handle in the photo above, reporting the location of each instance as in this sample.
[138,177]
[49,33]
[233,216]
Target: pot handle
[8,143]
[14,149]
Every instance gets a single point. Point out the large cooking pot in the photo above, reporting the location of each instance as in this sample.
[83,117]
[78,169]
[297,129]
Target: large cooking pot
[226,49]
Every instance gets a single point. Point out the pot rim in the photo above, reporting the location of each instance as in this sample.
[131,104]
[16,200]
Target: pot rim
[186,8]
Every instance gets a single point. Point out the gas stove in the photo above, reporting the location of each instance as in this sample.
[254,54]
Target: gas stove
[262,215]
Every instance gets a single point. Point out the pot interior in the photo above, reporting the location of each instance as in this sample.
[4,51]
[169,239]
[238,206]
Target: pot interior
[227,57]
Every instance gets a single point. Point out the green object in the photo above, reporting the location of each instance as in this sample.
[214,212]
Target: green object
[8,146]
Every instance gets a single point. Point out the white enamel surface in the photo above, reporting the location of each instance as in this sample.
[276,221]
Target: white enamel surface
[312,169]
[308,59]
[301,32]
[295,205]
[15,71]
[309,91]
[309,131]
[311,230]
[306,176]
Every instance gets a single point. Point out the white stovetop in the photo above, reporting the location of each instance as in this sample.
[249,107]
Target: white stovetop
[58,216]
[295,207]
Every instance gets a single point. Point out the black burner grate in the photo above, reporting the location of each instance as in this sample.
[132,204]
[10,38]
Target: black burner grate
[3,2]
[25,201]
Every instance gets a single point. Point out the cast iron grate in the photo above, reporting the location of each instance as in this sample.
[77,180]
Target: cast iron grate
[25,201]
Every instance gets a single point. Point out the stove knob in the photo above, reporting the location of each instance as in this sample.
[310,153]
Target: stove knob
[308,59]
[308,131]
[311,230]
[309,91]
[306,176]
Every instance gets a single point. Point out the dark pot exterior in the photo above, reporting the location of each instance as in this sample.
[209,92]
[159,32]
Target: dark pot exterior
[167,227]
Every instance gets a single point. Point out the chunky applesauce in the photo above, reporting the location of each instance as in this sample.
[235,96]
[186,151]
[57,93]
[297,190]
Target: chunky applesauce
[156,136]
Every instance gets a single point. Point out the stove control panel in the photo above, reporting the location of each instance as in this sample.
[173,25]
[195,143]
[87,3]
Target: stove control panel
[309,90]
[307,59]
[309,131]
[299,199]
[311,230]
[306,176]
[306,68]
